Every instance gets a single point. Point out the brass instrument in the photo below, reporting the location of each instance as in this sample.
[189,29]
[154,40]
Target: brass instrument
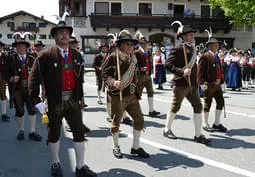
[45,118]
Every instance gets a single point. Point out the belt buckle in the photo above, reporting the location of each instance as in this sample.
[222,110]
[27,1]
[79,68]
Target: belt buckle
[132,88]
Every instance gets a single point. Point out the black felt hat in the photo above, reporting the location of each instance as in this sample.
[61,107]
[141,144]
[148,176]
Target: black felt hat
[1,43]
[186,29]
[20,38]
[39,43]
[61,25]
[73,40]
[124,36]
[211,41]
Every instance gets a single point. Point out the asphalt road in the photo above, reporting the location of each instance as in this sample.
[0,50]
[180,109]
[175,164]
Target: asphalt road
[231,154]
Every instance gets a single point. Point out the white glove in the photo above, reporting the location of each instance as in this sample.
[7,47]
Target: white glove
[41,107]
[204,86]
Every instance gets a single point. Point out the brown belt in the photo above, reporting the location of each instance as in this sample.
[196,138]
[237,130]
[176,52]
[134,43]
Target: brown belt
[24,83]
[67,95]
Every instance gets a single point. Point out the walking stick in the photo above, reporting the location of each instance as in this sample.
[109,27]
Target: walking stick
[186,62]
[118,71]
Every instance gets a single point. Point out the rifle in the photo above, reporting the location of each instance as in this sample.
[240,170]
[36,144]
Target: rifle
[186,62]
[12,90]
[118,72]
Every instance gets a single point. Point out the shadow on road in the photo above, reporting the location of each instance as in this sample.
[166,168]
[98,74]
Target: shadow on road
[95,109]
[119,172]
[167,160]
[225,142]
[153,124]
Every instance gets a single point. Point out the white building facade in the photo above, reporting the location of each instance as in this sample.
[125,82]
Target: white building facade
[22,21]
[97,18]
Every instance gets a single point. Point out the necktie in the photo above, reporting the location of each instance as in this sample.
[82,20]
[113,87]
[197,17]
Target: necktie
[23,59]
[65,55]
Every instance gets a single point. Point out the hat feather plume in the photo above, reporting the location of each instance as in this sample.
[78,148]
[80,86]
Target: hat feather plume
[63,18]
[180,28]
[22,35]
[209,33]
[124,31]
[138,34]
[115,36]
[225,43]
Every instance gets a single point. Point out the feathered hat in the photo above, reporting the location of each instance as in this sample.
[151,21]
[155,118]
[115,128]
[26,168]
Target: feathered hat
[224,44]
[112,42]
[39,43]
[2,43]
[201,48]
[61,25]
[140,37]
[211,39]
[73,39]
[182,29]
[125,35]
[20,38]
[101,45]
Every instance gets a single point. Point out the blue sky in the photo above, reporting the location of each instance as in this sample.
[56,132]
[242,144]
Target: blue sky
[47,8]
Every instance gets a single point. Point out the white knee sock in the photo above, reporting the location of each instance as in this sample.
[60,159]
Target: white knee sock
[79,148]
[54,149]
[32,121]
[108,107]
[136,138]
[206,117]
[150,102]
[115,138]
[197,118]
[124,114]
[20,121]
[4,106]
[99,95]
[217,116]
[169,120]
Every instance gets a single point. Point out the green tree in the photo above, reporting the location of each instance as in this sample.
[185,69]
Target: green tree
[240,11]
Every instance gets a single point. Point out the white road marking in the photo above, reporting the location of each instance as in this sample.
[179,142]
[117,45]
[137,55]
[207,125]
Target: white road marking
[210,162]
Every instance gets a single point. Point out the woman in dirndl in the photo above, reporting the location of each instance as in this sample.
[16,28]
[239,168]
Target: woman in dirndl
[159,74]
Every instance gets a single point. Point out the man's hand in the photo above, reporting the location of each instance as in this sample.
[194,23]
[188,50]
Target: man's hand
[117,84]
[41,107]
[187,72]
[143,68]
[204,86]
[14,79]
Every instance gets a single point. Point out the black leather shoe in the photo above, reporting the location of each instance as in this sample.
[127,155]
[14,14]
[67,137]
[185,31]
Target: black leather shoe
[127,120]
[5,118]
[109,119]
[140,152]
[84,172]
[35,136]
[56,170]
[169,134]
[202,139]
[99,102]
[117,153]
[154,113]
[208,129]
[219,128]
[20,135]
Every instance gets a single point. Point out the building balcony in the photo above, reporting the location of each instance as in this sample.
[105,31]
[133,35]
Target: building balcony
[157,21]
[28,29]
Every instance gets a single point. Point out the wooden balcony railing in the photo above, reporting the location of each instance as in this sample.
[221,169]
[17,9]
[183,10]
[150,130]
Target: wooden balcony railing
[157,21]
